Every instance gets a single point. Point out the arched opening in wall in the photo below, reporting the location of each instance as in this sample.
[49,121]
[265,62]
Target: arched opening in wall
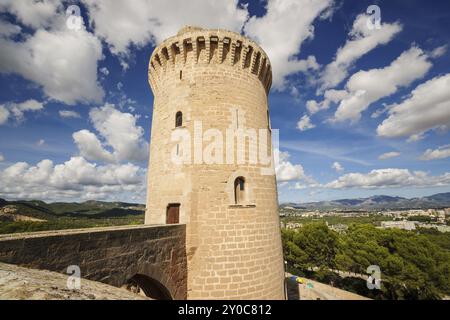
[239,190]
[179,119]
[148,287]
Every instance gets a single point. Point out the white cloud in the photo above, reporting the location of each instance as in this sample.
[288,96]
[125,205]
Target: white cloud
[337,166]
[119,131]
[52,56]
[17,109]
[123,23]
[74,179]
[305,123]
[69,114]
[285,170]
[367,87]
[90,146]
[8,29]
[389,178]
[40,142]
[440,153]
[439,51]
[138,22]
[35,14]
[389,155]
[2,158]
[329,96]
[300,186]
[426,108]
[416,137]
[361,41]
[104,70]
[62,61]
[4,114]
[281,32]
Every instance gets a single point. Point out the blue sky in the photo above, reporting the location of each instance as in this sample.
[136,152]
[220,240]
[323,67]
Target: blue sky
[360,111]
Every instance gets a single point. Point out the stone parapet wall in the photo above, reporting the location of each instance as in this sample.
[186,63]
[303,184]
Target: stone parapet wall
[110,255]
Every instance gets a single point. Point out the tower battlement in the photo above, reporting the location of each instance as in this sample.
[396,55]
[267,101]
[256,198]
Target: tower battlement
[193,45]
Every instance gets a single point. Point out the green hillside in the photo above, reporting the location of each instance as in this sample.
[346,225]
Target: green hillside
[63,215]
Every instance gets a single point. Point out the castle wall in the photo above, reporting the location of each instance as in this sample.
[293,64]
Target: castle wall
[221,80]
[110,255]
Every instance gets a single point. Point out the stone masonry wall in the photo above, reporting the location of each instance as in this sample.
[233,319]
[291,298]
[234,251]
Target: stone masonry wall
[109,255]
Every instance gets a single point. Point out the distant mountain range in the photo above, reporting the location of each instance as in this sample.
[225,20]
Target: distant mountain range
[34,210]
[439,200]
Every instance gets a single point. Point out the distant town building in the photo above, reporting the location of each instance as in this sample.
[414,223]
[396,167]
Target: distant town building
[339,227]
[293,225]
[405,225]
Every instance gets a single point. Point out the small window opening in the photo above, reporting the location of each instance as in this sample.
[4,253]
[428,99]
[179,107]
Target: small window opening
[239,190]
[179,119]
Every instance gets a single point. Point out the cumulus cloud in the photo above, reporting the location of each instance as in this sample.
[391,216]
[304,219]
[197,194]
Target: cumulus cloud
[65,62]
[118,130]
[367,87]
[361,41]
[90,146]
[305,123]
[105,71]
[439,51]
[4,114]
[389,178]
[69,114]
[416,137]
[8,29]
[17,109]
[440,153]
[389,155]
[34,14]
[62,61]
[281,32]
[73,179]
[125,23]
[426,108]
[337,166]
[285,170]
[330,96]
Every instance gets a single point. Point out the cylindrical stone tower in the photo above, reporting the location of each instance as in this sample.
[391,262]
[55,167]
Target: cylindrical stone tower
[208,84]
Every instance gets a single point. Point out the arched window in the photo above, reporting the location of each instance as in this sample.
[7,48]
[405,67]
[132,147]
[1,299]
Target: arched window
[239,190]
[179,119]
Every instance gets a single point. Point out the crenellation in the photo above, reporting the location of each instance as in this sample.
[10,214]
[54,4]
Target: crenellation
[212,47]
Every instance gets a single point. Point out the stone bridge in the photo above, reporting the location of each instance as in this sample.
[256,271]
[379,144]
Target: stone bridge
[151,258]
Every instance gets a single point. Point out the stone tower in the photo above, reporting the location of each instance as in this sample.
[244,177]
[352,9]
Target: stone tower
[206,84]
